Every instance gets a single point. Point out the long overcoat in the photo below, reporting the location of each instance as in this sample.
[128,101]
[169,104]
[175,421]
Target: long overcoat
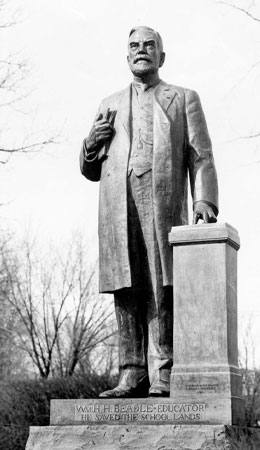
[181,146]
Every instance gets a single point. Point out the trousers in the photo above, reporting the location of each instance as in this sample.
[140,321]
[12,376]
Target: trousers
[144,312]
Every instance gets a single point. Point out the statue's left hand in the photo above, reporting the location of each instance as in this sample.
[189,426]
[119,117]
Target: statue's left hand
[204,211]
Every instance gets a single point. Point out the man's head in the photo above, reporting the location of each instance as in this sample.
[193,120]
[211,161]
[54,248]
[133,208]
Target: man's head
[145,51]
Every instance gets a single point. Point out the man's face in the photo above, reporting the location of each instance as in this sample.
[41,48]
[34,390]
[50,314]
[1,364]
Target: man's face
[144,55]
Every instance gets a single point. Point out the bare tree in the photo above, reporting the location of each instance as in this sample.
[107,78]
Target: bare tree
[27,296]
[9,356]
[13,72]
[245,11]
[91,324]
[252,12]
[61,319]
[250,377]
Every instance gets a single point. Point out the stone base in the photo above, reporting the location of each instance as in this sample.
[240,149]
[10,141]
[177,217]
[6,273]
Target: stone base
[205,366]
[143,437]
[149,411]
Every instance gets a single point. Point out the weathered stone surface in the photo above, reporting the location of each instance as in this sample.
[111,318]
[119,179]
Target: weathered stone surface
[139,411]
[143,437]
[205,319]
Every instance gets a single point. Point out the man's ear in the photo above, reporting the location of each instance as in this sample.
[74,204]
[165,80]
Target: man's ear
[127,59]
[162,59]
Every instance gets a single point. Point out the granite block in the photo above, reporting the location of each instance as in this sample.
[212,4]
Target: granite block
[143,437]
[205,349]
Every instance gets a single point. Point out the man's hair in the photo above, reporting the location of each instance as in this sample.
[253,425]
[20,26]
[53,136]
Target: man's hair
[157,35]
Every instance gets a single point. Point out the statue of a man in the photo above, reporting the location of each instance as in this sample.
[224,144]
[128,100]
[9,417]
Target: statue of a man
[144,142]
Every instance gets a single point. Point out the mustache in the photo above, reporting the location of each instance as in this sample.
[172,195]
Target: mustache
[142,58]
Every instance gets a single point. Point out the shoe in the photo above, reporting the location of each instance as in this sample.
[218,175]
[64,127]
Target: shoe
[131,385]
[160,386]
[159,392]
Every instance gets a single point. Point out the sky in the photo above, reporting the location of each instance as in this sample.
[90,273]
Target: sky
[76,52]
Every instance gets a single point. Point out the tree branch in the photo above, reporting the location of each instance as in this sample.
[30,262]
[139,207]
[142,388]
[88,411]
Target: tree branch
[257,19]
[28,148]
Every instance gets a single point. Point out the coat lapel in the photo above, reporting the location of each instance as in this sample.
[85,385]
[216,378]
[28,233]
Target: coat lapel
[164,95]
[163,98]
[124,109]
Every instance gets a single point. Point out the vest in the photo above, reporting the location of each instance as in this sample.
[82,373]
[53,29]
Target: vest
[141,155]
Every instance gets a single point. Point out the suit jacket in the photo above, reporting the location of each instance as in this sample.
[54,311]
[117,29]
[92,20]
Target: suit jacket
[181,145]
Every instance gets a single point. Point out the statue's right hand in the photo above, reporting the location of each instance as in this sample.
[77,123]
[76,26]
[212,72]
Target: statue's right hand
[101,132]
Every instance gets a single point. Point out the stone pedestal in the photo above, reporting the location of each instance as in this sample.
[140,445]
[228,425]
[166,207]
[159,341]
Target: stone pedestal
[143,437]
[205,401]
[142,411]
[205,320]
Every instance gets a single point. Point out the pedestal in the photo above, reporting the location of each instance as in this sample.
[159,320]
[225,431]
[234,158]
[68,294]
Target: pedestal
[205,401]
[143,437]
[205,350]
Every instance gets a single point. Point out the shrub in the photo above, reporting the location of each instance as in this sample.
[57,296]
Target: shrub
[27,402]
